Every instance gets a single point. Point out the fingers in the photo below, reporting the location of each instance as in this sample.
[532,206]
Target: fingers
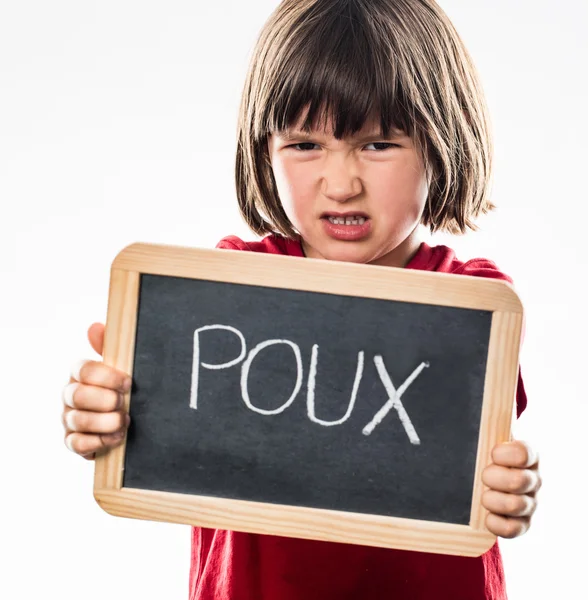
[511,479]
[93,413]
[509,505]
[95,373]
[507,527]
[89,397]
[87,445]
[84,421]
[515,454]
[89,432]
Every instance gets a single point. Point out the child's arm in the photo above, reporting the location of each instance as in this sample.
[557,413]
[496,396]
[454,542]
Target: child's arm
[513,479]
[92,415]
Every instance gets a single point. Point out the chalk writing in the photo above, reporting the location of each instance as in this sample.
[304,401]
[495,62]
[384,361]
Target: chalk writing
[311,384]
[245,374]
[394,400]
[394,395]
[196,364]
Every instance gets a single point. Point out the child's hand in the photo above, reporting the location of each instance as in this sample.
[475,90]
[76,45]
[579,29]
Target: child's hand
[513,479]
[92,416]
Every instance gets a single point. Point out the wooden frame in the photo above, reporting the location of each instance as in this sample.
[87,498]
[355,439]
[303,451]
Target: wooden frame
[327,277]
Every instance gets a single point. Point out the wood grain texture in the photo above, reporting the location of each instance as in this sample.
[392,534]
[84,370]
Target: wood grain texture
[499,397]
[119,348]
[328,277]
[295,521]
[289,272]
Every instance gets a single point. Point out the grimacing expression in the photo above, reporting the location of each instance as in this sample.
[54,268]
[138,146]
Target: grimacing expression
[359,199]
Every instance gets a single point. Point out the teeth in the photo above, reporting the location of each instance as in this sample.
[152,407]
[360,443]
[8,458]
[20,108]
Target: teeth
[347,220]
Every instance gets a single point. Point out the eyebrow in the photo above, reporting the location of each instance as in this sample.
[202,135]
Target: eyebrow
[296,134]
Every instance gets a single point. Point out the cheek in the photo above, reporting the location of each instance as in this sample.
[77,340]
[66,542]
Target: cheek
[294,190]
[283,183]
[420,194]
[405,191]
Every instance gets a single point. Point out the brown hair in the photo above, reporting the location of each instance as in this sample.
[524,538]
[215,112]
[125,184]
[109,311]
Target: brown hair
[401,60]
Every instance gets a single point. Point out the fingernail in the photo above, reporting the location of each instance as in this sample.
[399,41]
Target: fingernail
[127,383]
[77,367]
[69,420]
[68,443]
[68,392]
[532,456]
[127,420]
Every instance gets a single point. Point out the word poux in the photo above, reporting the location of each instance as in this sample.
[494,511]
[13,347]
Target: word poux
[394,394]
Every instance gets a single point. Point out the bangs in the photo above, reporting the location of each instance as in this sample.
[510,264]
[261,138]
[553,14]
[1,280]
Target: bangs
[398,66]
[339,65]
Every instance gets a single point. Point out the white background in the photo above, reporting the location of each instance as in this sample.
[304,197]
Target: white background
[117,124]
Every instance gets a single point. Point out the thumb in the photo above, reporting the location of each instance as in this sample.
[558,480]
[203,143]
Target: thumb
[96,337]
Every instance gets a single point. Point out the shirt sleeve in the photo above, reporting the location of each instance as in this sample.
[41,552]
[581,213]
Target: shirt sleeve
[232,242]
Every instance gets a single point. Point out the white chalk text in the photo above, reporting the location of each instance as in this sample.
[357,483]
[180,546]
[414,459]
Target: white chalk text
[256,353]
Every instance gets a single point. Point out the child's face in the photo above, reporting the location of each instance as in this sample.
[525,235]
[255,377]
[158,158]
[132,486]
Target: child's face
[378,189]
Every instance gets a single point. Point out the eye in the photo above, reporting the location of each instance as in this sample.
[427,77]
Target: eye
[383,144]
[387,145]
[303,144]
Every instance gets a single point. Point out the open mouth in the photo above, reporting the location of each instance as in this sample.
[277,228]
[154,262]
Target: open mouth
[346,227]
[353,220]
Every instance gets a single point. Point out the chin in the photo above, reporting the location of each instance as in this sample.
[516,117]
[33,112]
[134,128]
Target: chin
[347,252]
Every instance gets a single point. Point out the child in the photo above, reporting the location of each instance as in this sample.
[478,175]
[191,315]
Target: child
[360,122]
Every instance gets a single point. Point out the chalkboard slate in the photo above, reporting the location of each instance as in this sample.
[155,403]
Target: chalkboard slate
[304,391]
[224,448]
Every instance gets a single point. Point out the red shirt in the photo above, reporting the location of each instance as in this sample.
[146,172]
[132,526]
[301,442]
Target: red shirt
[230,565]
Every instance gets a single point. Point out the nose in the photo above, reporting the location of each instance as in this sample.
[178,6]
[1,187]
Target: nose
[340,180]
